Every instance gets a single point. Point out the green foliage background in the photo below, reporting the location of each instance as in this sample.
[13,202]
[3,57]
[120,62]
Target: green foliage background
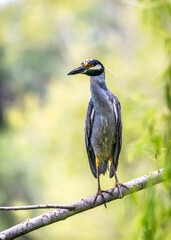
[42,112]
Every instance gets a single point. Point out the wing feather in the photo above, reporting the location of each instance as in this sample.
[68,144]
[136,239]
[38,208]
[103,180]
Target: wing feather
[118,137]
[88,131]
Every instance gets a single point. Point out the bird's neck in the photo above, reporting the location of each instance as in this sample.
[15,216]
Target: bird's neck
[97,83]
[98,92]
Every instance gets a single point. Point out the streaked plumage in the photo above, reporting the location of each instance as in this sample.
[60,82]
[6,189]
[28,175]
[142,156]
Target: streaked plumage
[113,134]
[103,131]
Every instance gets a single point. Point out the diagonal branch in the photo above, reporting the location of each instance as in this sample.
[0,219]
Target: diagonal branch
[81,206]
[39,206]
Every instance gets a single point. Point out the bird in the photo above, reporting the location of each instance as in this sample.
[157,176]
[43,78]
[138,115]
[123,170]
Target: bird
[103,130]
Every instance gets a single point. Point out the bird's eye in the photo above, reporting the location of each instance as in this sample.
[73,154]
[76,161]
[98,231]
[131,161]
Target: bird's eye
[90,65]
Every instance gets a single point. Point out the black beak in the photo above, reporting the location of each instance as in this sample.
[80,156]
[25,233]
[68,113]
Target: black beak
[77,70]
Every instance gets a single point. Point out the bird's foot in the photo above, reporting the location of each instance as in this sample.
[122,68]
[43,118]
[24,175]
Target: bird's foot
[118,186]
[100,192]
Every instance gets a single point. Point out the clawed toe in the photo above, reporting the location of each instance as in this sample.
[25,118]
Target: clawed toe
[100,192]
[118,186]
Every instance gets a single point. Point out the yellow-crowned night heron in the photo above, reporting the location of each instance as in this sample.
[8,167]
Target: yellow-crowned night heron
[103,132]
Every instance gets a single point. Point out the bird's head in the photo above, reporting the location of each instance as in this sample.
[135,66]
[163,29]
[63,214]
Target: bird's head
[90,67]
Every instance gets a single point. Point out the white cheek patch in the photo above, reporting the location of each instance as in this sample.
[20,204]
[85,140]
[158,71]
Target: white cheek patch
[97,67]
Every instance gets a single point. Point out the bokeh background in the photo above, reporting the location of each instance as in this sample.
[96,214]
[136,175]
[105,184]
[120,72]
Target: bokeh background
[42,111]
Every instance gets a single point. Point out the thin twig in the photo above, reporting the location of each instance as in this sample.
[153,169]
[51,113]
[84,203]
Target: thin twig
[40,206]
[81,206]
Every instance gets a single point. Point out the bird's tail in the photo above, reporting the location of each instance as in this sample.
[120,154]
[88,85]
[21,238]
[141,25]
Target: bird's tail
[103,167]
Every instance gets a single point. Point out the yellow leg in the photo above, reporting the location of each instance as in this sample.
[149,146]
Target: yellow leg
[97,170]
[111,159]
[97,161]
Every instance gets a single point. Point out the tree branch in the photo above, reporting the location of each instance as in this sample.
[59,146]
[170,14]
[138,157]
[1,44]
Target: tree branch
[81,206]
[39,206]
